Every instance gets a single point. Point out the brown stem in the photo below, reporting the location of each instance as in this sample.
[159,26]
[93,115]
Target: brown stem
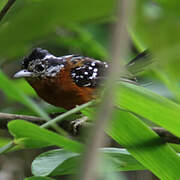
[166,135]
[6,8]
[118,51]
[7,116]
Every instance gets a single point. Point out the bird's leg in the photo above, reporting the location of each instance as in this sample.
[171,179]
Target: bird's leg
[79,122]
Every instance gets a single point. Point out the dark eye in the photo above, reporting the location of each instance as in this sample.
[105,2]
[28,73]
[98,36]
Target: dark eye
[39,67]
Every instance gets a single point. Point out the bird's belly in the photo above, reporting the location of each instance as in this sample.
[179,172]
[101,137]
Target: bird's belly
[66,98]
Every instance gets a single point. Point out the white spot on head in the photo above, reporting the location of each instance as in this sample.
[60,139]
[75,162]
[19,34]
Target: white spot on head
[73,74]
[53,70]
[48,56]
[106,65]
[68,56]
[86,73]
[90,68]
[81,76]
[53,74]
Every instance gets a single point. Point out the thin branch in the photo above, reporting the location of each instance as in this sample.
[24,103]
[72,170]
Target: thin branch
[6,8]
[7,116]
[119,48]
[166,135]
[7,147]
[68,113]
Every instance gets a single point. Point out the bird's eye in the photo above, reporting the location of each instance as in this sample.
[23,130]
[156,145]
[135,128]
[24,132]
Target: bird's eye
[39,67]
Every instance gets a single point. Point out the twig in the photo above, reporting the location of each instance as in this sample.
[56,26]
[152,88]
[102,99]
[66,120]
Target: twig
[97,138]
[7,147]
[6,8]
[7,116]
[68,113]
[166,135]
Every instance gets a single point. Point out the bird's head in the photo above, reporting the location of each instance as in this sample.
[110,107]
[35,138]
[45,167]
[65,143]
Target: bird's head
[40,64]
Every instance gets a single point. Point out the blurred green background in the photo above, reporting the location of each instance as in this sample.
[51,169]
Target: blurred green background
[85,27]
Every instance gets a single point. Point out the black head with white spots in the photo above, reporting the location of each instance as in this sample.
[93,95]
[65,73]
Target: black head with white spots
[89,73]
[40,64]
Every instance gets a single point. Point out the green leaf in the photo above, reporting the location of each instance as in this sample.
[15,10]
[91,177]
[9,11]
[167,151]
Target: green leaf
[83,39]
[51,161]
[61,162]
[162,15]
[40,18]
[33,136]
[38,178]
[145,103]
[121,159]
[25,87]
[145,145]
[4,141]
[163,41]
[2,4]
[14,92]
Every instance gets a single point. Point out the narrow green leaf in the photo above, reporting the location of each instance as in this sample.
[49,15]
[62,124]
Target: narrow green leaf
[38,23]
[32,136]
[4,141]
[147,104]
[38,178]
[14,92]
[25,87]
[7,147]
[145,145]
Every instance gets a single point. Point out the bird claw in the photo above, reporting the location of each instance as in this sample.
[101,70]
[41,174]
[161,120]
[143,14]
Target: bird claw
[77,123]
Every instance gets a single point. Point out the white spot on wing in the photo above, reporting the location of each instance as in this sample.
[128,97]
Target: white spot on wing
[78,68]
[95,70]
[87,84]
[73,74]
[93,64]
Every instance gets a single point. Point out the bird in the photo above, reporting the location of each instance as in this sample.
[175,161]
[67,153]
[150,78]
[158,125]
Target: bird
[70,80]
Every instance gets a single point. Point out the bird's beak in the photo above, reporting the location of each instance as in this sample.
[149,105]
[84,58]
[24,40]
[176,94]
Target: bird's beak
[23,73]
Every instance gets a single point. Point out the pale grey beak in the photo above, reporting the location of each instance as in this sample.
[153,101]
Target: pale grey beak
[23,73]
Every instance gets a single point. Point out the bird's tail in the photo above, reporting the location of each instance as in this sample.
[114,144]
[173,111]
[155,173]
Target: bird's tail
[140,63]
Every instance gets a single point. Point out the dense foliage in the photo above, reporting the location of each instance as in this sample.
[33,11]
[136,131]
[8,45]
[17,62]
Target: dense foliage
[84,27]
